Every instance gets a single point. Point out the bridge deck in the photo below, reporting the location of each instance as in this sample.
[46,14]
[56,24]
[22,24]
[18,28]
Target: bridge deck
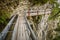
[21,31]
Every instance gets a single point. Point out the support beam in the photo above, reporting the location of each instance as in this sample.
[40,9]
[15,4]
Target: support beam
[34,12]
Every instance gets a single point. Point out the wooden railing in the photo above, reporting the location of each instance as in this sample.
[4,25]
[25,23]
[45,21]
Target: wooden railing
[34,12]
[6,29]
[14,35]
[31,31]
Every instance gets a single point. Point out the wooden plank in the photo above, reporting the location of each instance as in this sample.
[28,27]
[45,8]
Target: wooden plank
[15,30]
[22,34]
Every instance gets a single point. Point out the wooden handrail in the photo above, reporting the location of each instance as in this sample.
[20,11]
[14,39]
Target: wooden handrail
[6,29]
[29,27]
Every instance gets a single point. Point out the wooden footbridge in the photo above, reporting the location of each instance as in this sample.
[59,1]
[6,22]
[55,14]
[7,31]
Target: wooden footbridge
[22,29]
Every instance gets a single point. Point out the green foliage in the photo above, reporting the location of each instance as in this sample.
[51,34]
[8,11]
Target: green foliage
[3,17]
[58,31]
[55,13]
[41,2]
[52,1]
[5,9]
[58,27]
[36,19]
[34,2]
[55,10]
[57,38]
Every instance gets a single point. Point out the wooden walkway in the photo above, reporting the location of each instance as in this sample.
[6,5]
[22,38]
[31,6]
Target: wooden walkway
[21,31]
